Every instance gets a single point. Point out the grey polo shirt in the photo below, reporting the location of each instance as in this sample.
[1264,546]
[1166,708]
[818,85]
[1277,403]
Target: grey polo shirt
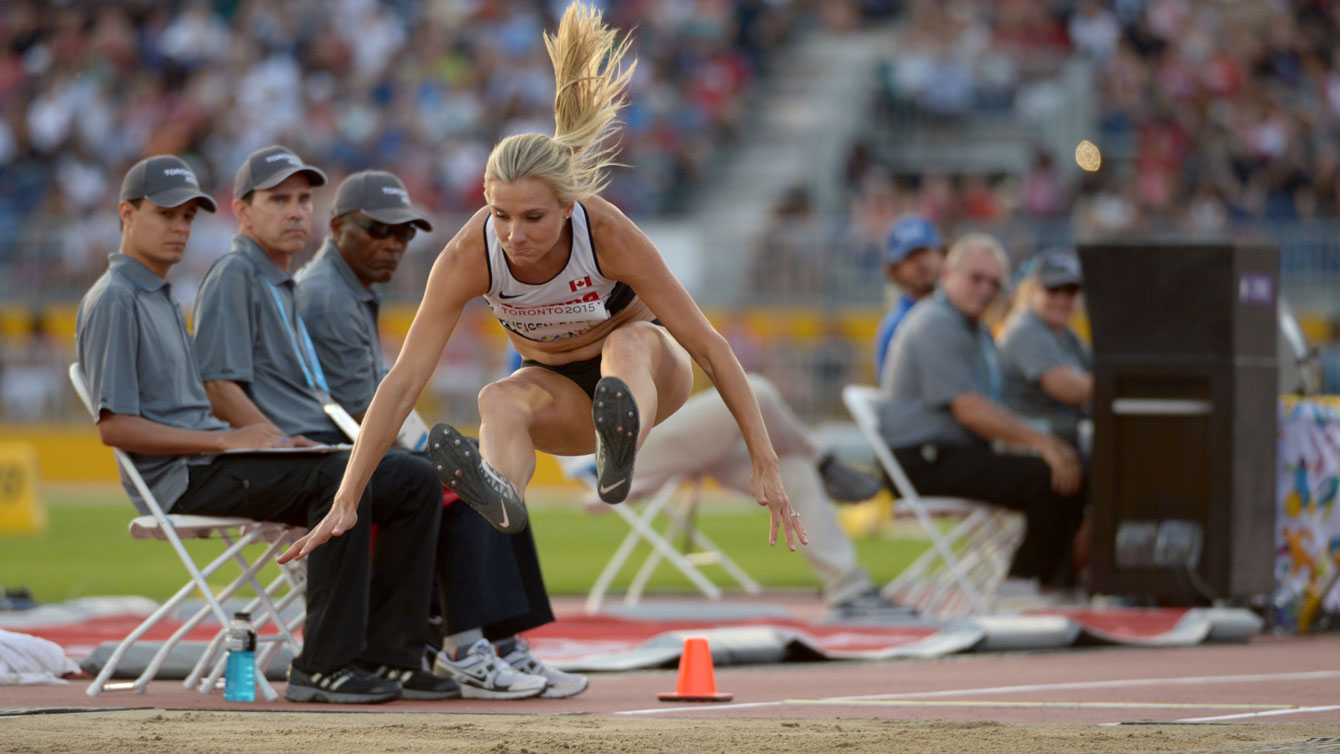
[341,314]
[1028,348]
[937,355]
[242,336]
[133,348]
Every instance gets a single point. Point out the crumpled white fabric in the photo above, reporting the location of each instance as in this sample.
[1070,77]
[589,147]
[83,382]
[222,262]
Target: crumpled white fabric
[28,660]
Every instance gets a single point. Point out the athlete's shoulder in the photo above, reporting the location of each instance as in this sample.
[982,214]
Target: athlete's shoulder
[610,227]
[602,212]
[470,238]
[463,264]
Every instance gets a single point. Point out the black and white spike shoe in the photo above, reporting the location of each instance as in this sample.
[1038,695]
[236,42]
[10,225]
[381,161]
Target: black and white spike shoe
[614,413]
[463,470]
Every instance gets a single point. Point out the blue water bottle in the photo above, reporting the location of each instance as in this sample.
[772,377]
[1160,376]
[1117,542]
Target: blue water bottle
[239,676]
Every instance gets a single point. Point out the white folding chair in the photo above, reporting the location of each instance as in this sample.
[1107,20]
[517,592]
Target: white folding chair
[640,512]
[237,534]
[961,570]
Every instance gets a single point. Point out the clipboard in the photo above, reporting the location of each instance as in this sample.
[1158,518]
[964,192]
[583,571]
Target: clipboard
[413,434]
[310,449]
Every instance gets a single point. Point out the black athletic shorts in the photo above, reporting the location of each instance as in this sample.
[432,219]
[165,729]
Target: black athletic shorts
[585,373]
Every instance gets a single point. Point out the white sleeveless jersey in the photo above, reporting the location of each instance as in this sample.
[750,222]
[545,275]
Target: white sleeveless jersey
[568,304]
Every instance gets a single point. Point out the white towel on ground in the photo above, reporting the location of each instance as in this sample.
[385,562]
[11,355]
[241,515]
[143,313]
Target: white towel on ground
[27,660]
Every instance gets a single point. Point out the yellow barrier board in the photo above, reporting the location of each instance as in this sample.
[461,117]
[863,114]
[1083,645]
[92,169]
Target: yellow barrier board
[73,453]
[65,452]
[21,511]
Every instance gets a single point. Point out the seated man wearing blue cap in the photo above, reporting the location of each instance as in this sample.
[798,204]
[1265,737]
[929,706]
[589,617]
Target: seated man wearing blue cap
[913,256]
[1048,370]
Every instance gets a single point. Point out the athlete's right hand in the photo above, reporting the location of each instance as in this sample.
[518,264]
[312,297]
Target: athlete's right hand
[336,522]
[258,435]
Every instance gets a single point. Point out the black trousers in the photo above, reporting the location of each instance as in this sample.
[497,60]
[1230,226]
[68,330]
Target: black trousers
[360,606]
[484,578]
[487,579]
[1018,482]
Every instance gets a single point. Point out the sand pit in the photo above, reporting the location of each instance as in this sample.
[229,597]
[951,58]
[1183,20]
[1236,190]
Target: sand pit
[114,732]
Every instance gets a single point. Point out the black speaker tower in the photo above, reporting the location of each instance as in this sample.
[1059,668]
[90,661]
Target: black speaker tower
[1183,476]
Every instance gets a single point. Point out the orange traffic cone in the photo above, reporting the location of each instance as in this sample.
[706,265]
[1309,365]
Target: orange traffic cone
[697,682]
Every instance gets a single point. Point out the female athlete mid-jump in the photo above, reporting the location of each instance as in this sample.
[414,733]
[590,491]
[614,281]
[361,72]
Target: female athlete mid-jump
[605,330]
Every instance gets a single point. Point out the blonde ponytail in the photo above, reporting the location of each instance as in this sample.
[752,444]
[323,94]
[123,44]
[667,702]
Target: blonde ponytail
[586,56]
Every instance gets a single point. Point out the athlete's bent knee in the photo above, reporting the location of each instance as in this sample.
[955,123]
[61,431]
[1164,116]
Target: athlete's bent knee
[629,341]
[500,397]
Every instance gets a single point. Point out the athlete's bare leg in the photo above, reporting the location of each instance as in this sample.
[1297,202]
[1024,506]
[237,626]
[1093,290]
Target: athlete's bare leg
[537,409]
[532,409]
[657,369]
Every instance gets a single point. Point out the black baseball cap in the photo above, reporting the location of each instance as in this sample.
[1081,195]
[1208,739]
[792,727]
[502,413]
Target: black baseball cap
[269,167]
[379,195]
[166,181]
[1058,268]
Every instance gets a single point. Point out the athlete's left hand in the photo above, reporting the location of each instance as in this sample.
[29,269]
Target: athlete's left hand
[766,486]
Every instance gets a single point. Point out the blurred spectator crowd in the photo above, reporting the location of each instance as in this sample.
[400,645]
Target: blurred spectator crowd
[1209,113]
[1215,120]
[423,89]
[419,87]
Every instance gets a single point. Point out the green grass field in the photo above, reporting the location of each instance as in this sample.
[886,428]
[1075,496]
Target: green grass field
[86,550]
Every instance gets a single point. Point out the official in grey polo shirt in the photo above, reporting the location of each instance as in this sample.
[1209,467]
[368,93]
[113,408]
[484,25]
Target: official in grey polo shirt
[253,357]
[1047,368]
[942,355]
[148,400]
[372,224]
[130,335]
[942,415]
[493,588]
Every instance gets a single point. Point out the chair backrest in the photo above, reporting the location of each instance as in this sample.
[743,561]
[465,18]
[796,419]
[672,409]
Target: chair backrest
[862,403]
[122,459]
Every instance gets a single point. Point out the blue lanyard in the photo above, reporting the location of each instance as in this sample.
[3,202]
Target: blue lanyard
[310,353]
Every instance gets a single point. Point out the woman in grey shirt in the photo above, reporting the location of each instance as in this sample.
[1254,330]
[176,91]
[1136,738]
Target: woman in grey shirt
[1047,369]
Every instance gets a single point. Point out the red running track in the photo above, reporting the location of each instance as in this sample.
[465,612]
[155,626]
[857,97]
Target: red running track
[1269,679]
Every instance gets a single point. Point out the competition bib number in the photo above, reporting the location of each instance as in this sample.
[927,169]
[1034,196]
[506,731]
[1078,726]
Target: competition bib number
[551,322]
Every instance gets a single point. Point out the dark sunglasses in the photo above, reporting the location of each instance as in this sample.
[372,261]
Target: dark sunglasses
[379,230]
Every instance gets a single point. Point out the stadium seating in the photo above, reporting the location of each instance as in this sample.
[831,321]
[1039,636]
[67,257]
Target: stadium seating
[237,534]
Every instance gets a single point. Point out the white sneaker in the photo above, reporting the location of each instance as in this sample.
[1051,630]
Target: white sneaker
[561,684]
[483,675]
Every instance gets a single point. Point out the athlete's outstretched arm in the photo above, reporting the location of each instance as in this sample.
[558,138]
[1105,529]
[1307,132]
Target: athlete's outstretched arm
[627,254]
[458,275]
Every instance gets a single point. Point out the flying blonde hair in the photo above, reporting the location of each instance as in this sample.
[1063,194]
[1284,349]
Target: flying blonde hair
[586,55]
